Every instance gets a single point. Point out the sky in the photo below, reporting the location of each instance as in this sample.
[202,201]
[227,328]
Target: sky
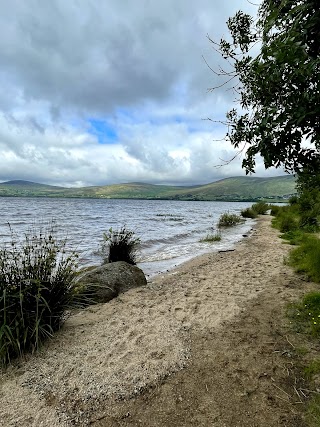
[101,92]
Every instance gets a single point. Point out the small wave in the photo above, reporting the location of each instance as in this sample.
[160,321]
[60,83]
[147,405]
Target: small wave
[165,240]
[169,219]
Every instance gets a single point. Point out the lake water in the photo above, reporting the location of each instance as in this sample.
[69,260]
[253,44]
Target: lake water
[169,230]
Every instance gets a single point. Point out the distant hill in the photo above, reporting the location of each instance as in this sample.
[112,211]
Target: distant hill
[228,189]
[28,188]
[245,188]
[28,184]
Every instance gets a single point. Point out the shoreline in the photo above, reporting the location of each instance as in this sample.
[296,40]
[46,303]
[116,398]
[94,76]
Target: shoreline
[153,269]
[110,359]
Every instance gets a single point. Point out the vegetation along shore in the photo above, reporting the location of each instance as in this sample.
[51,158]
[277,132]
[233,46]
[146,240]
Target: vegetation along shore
[225,330]
[228,339]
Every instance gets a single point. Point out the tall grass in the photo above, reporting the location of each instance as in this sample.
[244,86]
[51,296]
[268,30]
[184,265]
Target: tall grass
[297,221]
[120,245]
[306,258]
[286,218]
[287,222]
[210,238]
[36,288]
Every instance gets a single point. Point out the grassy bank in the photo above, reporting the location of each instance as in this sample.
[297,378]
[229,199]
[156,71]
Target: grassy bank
[298,223]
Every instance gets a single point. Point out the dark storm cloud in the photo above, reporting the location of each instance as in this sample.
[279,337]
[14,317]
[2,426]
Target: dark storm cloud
[100,55]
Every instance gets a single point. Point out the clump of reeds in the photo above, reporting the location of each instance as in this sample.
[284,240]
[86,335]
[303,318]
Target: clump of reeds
[210,238]
[120,245]
[36,288]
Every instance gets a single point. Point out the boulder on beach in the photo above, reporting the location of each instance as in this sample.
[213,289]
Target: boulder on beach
[104,283]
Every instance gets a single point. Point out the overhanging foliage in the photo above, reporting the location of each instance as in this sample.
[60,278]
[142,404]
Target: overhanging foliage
[279,89]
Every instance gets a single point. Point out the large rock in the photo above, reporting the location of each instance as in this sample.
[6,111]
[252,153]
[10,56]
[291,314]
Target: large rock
[109,280]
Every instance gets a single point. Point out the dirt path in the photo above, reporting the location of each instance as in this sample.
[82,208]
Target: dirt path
[241,374]
[206,345]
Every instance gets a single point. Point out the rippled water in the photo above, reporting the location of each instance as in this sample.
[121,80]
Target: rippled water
[169,230]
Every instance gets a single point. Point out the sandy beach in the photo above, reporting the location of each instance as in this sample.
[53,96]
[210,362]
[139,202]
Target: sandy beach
[203,345]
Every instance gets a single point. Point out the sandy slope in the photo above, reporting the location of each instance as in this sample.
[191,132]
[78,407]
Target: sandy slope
[107,366]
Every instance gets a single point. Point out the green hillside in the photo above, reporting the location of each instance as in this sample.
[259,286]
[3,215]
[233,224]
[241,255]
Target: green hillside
[229,189]
[133,191]
[27,189]
[244,188]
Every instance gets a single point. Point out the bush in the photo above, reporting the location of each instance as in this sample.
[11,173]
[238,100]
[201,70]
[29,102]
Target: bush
[260,208]
[293,200]
[286,221]
[229,220]
[249,213]
[309,221]
[36,288]
[121,245]
[274,209]
[308,200]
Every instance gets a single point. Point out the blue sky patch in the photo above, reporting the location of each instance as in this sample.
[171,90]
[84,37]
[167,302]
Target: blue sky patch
[103,130]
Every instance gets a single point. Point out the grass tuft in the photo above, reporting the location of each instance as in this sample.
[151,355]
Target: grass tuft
[120,245]
[312,369]
[313,411]
[305,315]
[210,238]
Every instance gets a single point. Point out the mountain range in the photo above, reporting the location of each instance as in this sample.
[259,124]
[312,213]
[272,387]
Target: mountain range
[229,189]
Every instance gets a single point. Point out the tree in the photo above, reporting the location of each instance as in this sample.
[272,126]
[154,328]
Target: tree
[279,88]
[308,180]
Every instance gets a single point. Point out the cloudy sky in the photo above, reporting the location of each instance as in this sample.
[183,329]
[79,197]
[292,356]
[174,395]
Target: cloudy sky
[99,92]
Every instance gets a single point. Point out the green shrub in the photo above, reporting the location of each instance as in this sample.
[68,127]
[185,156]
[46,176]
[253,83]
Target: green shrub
[286,221]
[36,288]
[309,221]
[260,208]
[120,245]
[211,238]
[307,200]
[293,200]
[274,209]
[229,220]
[306,258]
[249,213]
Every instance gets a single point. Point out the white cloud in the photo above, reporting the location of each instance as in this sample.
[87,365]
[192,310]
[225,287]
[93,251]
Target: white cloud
[137,66]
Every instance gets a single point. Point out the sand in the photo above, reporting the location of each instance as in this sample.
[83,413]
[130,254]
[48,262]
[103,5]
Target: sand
[134,360]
